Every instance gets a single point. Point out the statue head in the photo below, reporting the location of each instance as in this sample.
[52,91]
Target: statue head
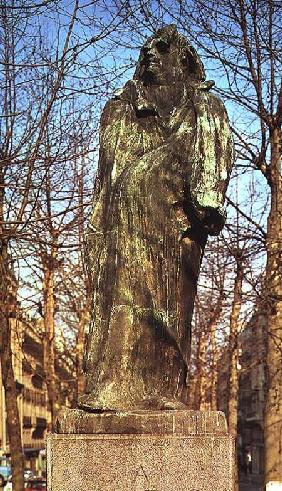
[167,58]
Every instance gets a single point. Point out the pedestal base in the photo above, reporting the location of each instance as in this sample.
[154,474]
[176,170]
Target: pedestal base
[142,462]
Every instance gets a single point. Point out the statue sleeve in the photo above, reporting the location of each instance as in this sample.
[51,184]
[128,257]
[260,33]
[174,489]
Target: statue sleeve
[212,162]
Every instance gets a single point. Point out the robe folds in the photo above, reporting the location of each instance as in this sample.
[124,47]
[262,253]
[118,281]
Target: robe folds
[159,192]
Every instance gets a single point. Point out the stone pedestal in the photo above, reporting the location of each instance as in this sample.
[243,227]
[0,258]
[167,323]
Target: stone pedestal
[142,451]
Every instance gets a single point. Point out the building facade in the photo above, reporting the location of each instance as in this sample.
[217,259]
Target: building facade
[252,389]
[35,416]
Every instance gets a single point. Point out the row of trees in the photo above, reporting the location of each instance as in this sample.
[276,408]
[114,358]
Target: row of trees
[58,64]
[47,130]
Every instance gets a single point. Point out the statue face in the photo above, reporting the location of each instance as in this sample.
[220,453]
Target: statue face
[160,62]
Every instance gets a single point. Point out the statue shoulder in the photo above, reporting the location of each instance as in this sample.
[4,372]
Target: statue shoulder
[115,106]
[205,101]
[127,93]
[217,103]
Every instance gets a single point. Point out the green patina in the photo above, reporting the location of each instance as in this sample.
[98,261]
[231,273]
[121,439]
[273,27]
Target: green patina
[166,153]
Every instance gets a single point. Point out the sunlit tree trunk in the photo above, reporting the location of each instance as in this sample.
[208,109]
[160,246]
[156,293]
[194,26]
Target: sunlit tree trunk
[49,333]
[214,366]
[273,409]
[213,322]
[8,379]
[233,388]
[80,341]
[201,374]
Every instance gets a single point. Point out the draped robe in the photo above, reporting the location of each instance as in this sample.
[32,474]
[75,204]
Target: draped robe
[159,191]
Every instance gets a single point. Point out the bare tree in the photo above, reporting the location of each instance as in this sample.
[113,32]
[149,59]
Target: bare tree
[23,122]
[74,288]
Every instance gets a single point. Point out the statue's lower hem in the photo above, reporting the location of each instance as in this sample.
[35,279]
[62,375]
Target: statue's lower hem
[88,402]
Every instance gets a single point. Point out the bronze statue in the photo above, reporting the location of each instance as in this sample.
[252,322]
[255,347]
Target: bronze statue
[166,153]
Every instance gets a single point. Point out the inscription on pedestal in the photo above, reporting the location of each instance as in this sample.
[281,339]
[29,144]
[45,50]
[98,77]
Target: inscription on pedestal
[140,463]
[142,478]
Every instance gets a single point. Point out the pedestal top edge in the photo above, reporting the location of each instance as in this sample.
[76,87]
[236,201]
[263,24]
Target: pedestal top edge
[182,422]
[50,437]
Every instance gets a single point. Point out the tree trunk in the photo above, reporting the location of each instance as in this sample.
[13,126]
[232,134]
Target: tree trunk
[49,334]
[233,350]
[233,354]
[80,339]
[214,372]
[214,351]
[8,380]
[273,409]
[201,379]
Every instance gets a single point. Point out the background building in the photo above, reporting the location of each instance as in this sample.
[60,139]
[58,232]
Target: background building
[35,416]
[252,389]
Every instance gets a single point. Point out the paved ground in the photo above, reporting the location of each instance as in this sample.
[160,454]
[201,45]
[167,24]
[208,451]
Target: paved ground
[250,483]
[249,486]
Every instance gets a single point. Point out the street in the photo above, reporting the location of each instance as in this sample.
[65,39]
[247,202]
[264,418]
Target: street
[250,483]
